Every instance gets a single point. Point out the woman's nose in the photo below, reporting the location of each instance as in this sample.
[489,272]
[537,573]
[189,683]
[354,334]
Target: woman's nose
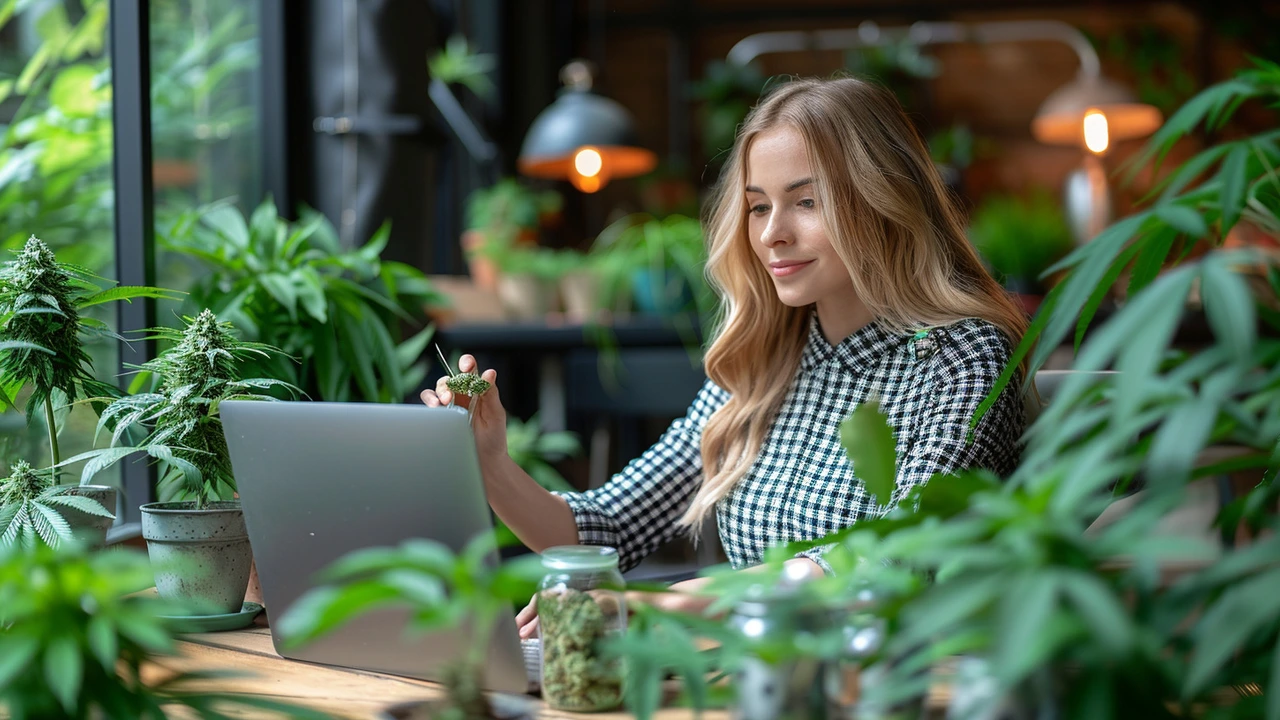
[776,232]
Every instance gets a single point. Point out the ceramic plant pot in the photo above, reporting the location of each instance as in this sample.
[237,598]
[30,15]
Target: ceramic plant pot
[91,529]
[524,296]
[660,292]
[199,556]
[484,273]
[581,294]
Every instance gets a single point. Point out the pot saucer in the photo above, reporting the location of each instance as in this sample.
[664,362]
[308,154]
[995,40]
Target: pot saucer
[214,623]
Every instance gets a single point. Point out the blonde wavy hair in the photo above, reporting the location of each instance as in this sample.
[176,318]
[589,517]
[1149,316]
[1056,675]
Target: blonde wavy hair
[892,222]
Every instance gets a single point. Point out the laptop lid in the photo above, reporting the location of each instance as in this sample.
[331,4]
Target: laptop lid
[319,480]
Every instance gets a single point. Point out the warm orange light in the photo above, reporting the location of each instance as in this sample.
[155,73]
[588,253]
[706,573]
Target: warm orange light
[586,184]
[1096,137]
[588,162]
[587,171]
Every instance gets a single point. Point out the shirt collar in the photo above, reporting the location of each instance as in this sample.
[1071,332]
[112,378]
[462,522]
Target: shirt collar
[860,349]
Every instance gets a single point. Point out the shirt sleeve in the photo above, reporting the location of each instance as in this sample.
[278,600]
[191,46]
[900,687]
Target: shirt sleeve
[964,368]
[968,363]
[638,509]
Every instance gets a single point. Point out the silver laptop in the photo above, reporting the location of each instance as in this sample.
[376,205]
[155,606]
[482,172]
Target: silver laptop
[319,480]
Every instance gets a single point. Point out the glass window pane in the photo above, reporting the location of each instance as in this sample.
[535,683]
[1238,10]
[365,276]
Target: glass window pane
[56,180]
[205,74]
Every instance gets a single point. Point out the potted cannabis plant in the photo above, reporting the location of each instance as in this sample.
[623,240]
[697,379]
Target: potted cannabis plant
[196,537]
[35,508]
[42,355]
[441,588]
[76,633]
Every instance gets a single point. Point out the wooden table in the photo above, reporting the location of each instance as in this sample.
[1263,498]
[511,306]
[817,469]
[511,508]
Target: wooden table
[342,692]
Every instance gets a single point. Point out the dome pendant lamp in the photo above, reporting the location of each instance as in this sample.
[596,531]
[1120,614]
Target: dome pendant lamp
[583,137]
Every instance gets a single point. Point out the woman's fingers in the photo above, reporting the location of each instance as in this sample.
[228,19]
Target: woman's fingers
[527,619]
[528,612]
[467,363]
[430,398]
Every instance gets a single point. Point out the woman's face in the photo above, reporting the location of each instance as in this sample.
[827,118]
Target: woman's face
[785,223]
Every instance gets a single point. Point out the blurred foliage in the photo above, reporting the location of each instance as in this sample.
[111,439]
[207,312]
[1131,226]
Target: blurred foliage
[76,631]
[457,63]
[1020,237]
[898,65]
[1157,61]
[336,314]
[56,150]
[534,451]
[441,589]
[727,92]
[668,251]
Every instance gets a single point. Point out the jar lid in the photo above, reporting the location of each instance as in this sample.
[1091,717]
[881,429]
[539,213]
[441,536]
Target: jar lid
[580,557]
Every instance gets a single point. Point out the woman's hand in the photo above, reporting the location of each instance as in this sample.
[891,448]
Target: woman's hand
[488,418]
[527,619]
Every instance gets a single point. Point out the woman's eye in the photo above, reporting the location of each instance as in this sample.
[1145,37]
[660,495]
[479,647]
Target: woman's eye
[759,209]
[808,203]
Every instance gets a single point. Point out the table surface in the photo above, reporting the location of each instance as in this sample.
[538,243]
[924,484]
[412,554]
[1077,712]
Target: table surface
[342,692]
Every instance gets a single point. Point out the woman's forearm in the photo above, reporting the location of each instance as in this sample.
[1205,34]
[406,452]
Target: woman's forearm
[690,596]
[540,519]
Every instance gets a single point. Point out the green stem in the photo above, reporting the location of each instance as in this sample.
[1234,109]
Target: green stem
[53,432]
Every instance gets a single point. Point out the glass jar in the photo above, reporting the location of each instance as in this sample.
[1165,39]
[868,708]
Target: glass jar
[580,603]
[773,680]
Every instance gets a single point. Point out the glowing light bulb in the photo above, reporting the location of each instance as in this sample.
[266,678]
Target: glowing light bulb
[1096,137]
[588,170]
[588,162]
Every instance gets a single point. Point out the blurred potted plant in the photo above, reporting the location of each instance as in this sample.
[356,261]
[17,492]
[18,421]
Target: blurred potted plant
[528,278]
[726,93]
[196,535]
[664,261]
[1020,238]
[335,314]
[42,336]
[502,216]
[76,631]
[534,450]
[441,588]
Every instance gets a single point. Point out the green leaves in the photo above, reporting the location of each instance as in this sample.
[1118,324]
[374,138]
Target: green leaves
[439,587]
[42,333]
[337,312]
[1229,306]
[201,369]
[1234,181]
[868,441]
[1243,611]
[77,634]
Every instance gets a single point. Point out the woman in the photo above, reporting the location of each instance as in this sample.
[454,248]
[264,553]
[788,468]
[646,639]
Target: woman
[845,275]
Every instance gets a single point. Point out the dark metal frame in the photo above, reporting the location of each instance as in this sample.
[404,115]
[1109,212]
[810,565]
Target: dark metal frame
[277,142]
[130,37]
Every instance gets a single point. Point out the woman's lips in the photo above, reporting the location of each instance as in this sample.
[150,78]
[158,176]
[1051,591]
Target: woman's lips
[783,268]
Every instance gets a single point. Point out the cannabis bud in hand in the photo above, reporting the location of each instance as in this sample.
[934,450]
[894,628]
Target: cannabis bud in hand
[469,384]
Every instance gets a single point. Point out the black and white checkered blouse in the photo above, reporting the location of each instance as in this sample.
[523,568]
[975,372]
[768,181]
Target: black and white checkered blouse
[802,485]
